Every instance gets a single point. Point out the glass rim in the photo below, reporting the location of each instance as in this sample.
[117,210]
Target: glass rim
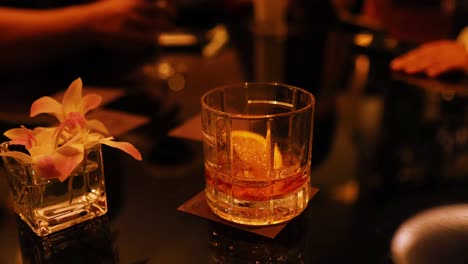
[310,105]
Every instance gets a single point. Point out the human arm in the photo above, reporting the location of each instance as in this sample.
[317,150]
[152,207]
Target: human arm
[31,37]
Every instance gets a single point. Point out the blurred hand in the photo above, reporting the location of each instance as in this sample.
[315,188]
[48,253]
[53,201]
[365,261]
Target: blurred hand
[129,21]
[433,59]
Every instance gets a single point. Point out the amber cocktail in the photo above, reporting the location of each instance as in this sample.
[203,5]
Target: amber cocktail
[257,151]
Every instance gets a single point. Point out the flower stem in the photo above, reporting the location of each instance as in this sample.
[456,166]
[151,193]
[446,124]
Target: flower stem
[70,189]
[42,190]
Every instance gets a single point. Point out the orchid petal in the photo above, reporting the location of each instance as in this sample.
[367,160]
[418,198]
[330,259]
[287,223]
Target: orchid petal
[97,126]
[17,155]
[46,142]
[60,164]
[71,101]
[76,138]
[124,146]
[17,132]
[94,139]
[45,167]
[90,102]
[47,105]
[21,136]
[69,157]
[41,150]
[73,119]
[44,131]
[44,134]
[98,136]
[71,150]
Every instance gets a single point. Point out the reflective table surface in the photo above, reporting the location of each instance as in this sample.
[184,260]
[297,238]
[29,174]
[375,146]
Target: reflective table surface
[386,147]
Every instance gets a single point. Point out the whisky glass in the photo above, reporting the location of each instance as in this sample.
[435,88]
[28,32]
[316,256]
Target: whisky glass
[257,141]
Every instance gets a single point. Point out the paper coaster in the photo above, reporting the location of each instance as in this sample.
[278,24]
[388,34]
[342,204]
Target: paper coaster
[197,206]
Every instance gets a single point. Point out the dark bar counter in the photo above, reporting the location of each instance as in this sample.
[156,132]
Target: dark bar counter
[386,147]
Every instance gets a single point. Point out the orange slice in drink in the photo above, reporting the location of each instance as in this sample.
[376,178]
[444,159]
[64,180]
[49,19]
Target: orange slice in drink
[251,154]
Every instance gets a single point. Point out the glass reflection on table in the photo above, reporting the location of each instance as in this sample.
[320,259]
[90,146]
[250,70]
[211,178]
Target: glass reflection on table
[230,245]
[88,242]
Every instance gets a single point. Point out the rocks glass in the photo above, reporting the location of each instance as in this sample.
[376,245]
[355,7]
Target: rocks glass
[257,151]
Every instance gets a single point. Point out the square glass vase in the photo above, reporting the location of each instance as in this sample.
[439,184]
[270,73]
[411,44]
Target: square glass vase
[48,205]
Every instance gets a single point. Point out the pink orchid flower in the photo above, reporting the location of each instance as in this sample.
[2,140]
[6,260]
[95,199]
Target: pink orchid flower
[72,104]
[56,151]
[47,159]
